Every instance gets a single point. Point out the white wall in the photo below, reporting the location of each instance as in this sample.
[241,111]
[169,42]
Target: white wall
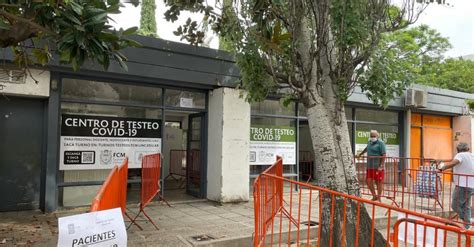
[29,88]
[472,132]
[173,141]
[228,146]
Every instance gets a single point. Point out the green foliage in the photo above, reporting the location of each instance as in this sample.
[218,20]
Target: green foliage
[470,103]
[224,43]
[347,43]
[454,74]
[147,19]
[256,81]
[400,58]
[76,30]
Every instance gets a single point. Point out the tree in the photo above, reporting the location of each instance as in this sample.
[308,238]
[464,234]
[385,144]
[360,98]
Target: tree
[419,51]
[454,74]
[76,30]
[147,19]
[318,51]
[402,56]
[225,44]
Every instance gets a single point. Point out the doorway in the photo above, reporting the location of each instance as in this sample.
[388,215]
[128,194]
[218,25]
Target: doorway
[183,158]
[21,142]
[306,152]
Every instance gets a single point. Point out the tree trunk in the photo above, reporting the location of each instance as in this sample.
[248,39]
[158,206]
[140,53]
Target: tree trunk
[316,58]
[334,169]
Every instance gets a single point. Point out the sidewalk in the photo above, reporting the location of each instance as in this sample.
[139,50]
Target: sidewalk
[228,225]
[178,225]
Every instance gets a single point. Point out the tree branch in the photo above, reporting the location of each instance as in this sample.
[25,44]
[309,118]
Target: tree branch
[26,21]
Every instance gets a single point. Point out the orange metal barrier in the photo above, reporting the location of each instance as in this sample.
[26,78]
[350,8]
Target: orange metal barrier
[123,174]
[422,189]
[288,212]
[439,233]
[391,175]
[177,166]
[108,195]
[150,187]
[431,192]
[113,193]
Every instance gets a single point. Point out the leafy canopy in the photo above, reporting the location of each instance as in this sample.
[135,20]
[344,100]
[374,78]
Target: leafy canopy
[295,47]
[401,58]
[454,74]
[417,55]
[147,18]
[76,30]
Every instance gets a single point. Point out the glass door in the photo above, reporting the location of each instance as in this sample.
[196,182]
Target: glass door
[194,172]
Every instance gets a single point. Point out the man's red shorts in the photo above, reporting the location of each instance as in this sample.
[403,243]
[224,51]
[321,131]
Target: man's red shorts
[375,174]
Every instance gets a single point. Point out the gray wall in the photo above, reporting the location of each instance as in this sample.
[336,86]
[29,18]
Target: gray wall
[440,101]
[162,62]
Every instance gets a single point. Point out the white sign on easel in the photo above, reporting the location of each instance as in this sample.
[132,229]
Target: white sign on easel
[99,229]
[425,235]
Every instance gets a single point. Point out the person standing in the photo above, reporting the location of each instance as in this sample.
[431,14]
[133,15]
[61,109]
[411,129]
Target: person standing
[376,152]
[463,163]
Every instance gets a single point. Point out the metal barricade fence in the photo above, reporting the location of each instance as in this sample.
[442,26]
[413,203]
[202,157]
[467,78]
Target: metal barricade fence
[415,184]
[391,178]
[288,212]
[177,166]
[113,192]
[108,196]
[150,185]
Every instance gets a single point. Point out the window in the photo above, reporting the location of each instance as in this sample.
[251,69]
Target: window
[176,125]
[349,111]
[185,99]
[82,195]
[269,137]
[273,107]
[377,116]
[76,89]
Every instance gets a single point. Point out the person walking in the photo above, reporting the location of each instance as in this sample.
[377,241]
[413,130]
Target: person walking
[376,152]
[463,165]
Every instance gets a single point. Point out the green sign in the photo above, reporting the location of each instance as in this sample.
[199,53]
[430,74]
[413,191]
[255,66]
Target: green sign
[272,133]
[389,138]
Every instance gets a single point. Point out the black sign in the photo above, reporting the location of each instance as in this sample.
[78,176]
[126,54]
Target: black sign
[79,157]
[98,126]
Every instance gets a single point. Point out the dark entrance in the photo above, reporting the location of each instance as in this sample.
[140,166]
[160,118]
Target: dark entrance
[21,138]
[194,171]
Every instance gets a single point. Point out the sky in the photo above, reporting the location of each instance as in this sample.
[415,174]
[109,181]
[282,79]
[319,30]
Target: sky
[455,22]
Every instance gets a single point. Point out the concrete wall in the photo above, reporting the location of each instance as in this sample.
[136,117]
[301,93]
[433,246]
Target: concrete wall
[30,87]
[462,130]
[228,146]
[472,130]
[440,101]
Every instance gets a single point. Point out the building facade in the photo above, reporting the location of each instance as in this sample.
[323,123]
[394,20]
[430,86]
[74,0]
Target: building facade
[62,134]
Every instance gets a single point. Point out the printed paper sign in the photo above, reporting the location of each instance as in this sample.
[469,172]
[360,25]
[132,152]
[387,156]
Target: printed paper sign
[186,102]
[425,236]
[267,142]
[99,142]
[391,140]
[99,229]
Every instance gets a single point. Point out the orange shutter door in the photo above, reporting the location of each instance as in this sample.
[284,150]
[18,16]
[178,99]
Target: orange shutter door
[415,147]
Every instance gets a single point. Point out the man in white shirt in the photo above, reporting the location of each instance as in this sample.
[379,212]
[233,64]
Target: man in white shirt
[463,164]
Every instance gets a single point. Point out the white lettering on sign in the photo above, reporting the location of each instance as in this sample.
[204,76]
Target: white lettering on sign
[98,142]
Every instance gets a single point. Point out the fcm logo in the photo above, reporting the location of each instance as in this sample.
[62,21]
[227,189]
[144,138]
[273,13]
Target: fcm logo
[119,155]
